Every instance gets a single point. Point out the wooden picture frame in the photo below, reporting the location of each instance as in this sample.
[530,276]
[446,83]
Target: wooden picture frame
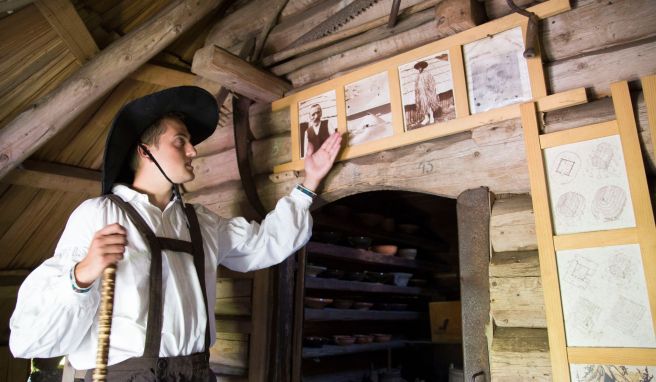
[464,120]
[572,352]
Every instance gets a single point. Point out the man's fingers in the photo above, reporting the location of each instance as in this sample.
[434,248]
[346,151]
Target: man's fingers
[112,258]
[112,229]
[113,249]
[112,239]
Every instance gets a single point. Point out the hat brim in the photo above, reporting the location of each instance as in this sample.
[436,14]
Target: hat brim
[201,115]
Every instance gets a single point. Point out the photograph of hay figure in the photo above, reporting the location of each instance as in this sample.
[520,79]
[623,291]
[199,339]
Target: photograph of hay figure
[368,109]
[427,91]
[496,71]
[318,119]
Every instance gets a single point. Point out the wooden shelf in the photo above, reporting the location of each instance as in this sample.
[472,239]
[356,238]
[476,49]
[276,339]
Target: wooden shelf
[331,350]
[360,286]
[330,314]
[367,257]
[408,240]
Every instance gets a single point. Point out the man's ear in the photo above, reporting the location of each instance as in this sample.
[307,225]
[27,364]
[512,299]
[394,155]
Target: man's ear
[143,152]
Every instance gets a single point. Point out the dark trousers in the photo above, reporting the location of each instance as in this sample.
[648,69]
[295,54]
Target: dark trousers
[190,368]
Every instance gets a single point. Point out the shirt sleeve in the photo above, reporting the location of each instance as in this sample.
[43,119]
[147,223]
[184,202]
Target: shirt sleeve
[245,246]
[50,318]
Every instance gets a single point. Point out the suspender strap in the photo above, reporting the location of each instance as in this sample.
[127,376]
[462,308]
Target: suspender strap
[175,245]
[154,323]
[199,264]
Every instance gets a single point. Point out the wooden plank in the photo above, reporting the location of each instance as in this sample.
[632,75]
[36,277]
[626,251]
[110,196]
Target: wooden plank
[63,17]
[342,34]
[515,264]
[229,324]
[548,267]
[13,203]
[213,169]
[238,75]
[360,286]
[512,225]
[459,82]
[368,257]
[580,134]
[611,65]
[649,91]
[330,314]
[520,355]
[517,302]
[230,349]
[642,208]
[257,362]
[332,350]
[596,239]
[33,128]
[612,356]
[55,176]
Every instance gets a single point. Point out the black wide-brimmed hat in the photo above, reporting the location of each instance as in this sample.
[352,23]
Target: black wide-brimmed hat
[201,114]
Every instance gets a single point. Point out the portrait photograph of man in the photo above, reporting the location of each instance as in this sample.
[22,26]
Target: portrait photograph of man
[318,120]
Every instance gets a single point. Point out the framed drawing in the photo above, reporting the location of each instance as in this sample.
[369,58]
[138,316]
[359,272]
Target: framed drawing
[588,187]
[427,91]
[612,373]
[368,109]
[318,119]
[497,73]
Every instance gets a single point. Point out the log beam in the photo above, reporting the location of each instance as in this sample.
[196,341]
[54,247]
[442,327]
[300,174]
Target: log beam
[50,114]
[238,75]
[163,76]
[65,20]
[54,176]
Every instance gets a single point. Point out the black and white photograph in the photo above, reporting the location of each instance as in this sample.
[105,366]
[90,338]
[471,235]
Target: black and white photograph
[427,91]
[368,109]
[496,71]
[317,117]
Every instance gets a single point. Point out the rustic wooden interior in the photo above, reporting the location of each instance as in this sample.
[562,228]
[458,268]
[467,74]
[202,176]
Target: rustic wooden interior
[67,66]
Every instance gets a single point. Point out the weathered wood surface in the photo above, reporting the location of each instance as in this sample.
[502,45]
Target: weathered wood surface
[593,25]
[232,30]
[230,349]
[519,354]
[512,225]
[517,302]
[238,75]
[51,114]
[499,8]
[515,264]
[54,176]
[290,29]
[296,6]
[63,17]
[375,30]
[213,169]
[233,297]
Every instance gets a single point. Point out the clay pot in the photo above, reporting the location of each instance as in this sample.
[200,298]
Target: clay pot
[317,303]
[344,340]
[363,338]
[385,249]
[382,337]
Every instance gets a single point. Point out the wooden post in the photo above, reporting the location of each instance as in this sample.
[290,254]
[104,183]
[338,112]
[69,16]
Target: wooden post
[53,112]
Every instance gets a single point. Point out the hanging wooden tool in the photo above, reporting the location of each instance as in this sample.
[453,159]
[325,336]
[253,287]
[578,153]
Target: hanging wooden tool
[105,322]
[531,31]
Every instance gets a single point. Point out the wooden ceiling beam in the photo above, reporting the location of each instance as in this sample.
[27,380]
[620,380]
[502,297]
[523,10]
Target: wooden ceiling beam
[50,114]
[238,75]
[56,177]
[163,76]
[65,20]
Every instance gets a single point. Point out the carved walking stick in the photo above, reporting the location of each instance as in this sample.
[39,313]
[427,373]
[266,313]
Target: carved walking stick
[105,322]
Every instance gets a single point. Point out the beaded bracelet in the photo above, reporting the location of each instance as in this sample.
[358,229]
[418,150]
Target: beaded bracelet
[77,288]
[306,190]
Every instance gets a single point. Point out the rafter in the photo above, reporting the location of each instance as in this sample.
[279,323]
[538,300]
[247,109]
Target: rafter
[56,177]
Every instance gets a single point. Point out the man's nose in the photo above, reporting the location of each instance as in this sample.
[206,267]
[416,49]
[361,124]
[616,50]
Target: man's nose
[191,151]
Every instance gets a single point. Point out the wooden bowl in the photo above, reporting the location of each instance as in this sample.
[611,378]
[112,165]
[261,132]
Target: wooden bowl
[381,337]
[385,249]
[317,302]
[344,340]
[363,338]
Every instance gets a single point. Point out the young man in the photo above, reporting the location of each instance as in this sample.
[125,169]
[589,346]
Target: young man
[166,253]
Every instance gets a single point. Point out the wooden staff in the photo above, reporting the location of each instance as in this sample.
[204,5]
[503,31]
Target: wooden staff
[105,322]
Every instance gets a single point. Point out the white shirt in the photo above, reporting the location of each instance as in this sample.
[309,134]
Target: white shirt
[52,320]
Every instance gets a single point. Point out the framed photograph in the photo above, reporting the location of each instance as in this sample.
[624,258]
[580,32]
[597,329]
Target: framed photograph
[317,118]
[427,91]
[496,71]
[368,109]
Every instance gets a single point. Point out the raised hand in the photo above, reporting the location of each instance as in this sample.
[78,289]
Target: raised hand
[318,163]
[106,248]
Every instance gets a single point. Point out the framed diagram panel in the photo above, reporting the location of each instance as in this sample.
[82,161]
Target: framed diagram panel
[597,245]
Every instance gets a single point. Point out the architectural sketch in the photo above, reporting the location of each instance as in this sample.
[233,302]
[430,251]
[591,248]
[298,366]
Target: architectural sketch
[427,91]
[317,119]
[496,71]
[368,109]
[604,297]
[588,186]
[612,373]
